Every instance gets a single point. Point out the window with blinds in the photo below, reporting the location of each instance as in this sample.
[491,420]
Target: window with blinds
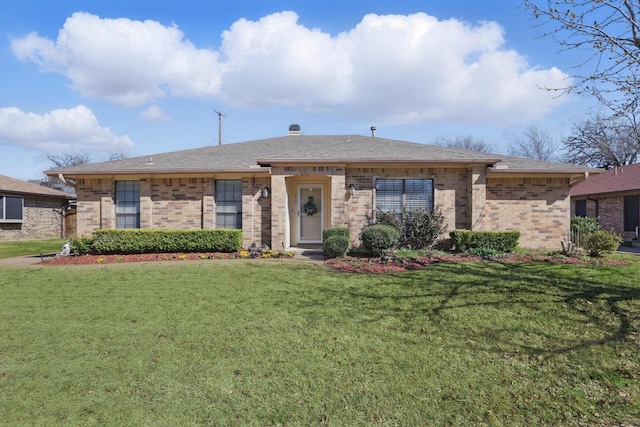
[229,203]
[127,204]
[392,195]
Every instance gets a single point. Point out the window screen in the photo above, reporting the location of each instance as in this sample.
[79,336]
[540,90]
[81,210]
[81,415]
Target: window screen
[229,203]
[631,213]
[581,208]
[11,208]
[394,194]
[127,204]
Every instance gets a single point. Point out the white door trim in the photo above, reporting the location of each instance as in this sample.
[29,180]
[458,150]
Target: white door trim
[321,211]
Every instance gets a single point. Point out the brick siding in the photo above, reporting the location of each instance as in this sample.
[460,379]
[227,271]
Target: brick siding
[42,219]
[537,207]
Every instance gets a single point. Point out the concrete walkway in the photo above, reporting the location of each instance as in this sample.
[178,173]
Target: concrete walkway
[23,261]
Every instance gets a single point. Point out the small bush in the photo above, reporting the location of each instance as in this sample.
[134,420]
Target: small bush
[599,242]
[335,231]
[379,239]
[498,241]
[580,229]
[418,228]
[422,228]
[150,241]
[81,245]
[335,246]
[584,224]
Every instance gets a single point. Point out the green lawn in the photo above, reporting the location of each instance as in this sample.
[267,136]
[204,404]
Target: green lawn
[30,247]
[270,342]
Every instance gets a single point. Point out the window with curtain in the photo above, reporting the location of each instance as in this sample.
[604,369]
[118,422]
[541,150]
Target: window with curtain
[127,204]
[11,208]
[392,195]
[229,203]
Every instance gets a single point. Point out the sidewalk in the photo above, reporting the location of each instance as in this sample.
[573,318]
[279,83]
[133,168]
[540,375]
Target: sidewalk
[23,261]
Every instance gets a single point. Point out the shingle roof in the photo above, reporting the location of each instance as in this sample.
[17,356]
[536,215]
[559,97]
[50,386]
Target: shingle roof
[16,186]
[618,180]
[325,149]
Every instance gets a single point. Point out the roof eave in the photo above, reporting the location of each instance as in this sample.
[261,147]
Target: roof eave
[564,173]
[420,162]
[73,173]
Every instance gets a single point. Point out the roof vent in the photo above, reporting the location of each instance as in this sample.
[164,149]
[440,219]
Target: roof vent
[295,130]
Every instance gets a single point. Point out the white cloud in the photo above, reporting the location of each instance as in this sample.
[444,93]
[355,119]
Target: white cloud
[68,130]
[124,61]
[393,68]
[155,114]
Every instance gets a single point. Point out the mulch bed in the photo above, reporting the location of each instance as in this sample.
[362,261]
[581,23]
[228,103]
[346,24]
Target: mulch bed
[348,264]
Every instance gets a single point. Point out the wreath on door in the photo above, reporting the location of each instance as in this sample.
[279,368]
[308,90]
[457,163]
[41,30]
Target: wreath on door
[310,207]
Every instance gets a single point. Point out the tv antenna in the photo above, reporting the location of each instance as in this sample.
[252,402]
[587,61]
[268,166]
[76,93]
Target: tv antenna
[220,116]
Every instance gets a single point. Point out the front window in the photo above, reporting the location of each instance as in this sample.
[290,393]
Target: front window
[229,203]
[11,208]
[631,213]
[127,204]
[393,195]
[581,208]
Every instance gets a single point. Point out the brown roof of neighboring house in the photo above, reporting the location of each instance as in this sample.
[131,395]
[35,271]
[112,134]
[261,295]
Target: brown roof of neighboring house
[256,156]
[617,180]
[10,185]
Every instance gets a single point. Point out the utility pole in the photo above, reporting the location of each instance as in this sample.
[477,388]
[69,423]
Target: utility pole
[220,116]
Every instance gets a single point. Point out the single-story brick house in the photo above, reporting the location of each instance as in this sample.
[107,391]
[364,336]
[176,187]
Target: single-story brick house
[30,211]
[613,197]
[284,191]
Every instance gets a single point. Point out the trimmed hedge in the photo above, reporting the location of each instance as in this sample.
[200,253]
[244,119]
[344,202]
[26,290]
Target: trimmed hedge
[379,239]
[162,241]
[499,241]
[335,246]
[335,231]
[335,241]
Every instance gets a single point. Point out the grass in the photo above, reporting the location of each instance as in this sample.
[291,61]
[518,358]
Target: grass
[30,247]
[255,342]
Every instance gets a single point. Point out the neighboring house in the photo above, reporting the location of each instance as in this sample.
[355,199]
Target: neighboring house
[284,191]
[613,197]
[29,211]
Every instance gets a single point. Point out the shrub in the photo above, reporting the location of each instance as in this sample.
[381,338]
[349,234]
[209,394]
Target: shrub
[150,241]
[422,228]
[335,231]
[599,242]
[418,228]
[81,245]
[581,227]
[335,246]
[498,241]
[379,239]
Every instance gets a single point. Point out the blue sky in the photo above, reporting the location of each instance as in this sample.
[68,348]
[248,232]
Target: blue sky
[147,76]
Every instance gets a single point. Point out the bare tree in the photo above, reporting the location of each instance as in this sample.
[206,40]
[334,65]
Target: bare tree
[534,143]
[609,32]
[603,142]
[466,143]
[63,160]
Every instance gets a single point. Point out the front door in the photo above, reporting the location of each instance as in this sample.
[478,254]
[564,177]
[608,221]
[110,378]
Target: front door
[310,213]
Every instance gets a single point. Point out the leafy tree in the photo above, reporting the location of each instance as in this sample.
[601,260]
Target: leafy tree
[609,32]
[466,143]
[534,143]
[603,142]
